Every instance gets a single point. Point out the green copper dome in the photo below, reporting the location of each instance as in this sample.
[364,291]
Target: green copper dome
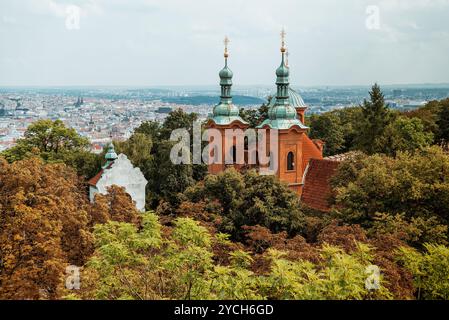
[294,99]
[282,72]
[226,76]
[226,112]
[281,110]
[111,155]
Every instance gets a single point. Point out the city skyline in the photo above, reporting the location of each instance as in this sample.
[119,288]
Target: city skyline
[152,43]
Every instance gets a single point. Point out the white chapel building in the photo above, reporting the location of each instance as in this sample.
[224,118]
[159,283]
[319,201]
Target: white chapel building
[119,171]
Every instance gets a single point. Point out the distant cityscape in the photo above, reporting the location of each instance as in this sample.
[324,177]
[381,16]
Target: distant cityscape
[101,112]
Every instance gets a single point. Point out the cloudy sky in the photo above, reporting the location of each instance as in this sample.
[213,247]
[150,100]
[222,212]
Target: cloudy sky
[180,42]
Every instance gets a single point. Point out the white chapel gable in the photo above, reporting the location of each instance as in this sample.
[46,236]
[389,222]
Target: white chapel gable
[122,173]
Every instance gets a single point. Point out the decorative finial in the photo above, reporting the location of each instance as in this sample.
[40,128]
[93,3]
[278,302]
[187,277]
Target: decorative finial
[226,42]
[283,33]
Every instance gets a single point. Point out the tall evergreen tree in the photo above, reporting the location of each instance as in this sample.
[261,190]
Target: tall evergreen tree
[375,118]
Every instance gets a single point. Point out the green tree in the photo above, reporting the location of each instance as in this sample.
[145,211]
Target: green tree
[133,263]
[177,119]
[119,268]
[415,185]
[149,149]
[149,263]
[166,180]
[338,128]
[349,119]
[338,276]
[54,142]
[149,128]
[249,199]
[428,114]
[430,270]
[138,150]
[375,118]
[328,128]
[255,117]
[406,134]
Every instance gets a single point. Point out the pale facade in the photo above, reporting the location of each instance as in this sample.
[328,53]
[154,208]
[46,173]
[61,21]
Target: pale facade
[122,173]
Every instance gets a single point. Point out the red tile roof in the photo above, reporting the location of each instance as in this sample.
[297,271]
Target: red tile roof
[344,156]
[317,190]
[93,181]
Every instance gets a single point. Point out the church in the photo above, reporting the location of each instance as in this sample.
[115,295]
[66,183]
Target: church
[299,159]
[118,170]
[295,149]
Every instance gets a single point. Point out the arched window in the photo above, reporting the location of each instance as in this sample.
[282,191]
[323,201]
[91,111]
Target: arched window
[246,143]
[290,161]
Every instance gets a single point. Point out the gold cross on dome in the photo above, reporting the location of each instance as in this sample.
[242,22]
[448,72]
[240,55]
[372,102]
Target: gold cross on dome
[226,42]
[283,33]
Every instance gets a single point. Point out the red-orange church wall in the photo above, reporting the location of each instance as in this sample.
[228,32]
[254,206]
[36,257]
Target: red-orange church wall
[293,140]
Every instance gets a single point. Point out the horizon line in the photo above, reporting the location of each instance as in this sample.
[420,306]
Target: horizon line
[212,85]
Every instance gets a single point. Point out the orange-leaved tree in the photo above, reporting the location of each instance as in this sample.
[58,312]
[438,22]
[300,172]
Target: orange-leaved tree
[43,228]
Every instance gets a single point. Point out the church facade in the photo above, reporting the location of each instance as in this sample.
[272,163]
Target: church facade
[118,170]
[285,115]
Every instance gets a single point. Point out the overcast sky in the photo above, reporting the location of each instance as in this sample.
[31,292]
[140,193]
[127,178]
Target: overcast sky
[180,42]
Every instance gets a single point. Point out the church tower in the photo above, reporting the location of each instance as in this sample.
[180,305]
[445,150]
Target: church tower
[286,115]
[225,116]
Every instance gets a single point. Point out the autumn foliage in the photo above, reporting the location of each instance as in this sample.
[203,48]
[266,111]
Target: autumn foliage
[43,227]
[46,224]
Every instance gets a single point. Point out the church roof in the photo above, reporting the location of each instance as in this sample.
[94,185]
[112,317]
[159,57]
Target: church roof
[282,124]
[226,120]
[295,99]
[317,189]
[344,156]
[94,180]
